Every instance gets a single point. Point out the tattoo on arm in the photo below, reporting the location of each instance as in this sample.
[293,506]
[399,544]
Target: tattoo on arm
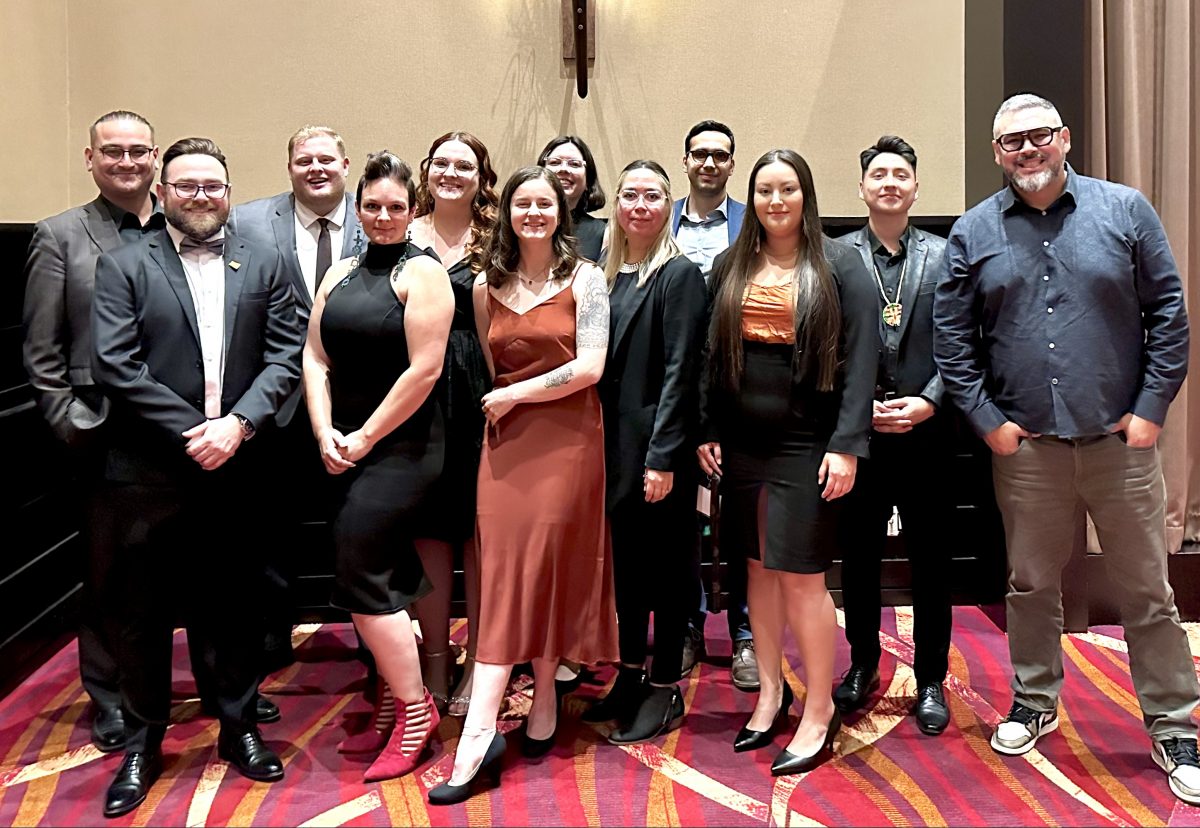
[591,325]
[559,377]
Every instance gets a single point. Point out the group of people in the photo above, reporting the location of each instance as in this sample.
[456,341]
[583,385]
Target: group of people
[506,381]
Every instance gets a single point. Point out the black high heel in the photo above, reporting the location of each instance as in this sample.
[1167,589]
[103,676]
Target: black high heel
[535,748]
[748,739]
[788,763]
[489,770]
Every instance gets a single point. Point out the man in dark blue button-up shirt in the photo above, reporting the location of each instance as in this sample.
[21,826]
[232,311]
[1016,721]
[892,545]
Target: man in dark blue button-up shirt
[1060,330]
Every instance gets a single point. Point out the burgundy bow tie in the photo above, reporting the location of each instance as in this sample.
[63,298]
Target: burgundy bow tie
[214,246]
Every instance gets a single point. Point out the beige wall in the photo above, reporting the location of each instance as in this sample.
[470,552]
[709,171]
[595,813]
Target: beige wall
[826,77]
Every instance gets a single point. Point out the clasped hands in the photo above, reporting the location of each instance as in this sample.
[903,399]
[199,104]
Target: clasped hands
[901,414]
[837,470]
[340,451]
[213,442]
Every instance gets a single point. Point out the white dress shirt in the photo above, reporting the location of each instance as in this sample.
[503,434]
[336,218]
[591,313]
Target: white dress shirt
[205,274]
[702,238]
[308,230]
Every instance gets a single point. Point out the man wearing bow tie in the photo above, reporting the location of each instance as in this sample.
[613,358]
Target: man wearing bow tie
[197,345]
[312,225]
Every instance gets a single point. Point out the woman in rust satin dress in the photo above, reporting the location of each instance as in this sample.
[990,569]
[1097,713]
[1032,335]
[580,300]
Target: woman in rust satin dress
[544,557]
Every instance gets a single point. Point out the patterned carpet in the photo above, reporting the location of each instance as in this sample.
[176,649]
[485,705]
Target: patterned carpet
[1096,770]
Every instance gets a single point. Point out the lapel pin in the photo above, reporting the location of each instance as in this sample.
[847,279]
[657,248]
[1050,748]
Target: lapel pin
[235,265]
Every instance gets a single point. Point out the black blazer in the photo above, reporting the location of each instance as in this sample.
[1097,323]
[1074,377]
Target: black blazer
[845,412]
[650,388]
[916,375]
[146,351]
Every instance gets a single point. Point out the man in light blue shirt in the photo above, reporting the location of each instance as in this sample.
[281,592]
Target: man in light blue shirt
[707,220]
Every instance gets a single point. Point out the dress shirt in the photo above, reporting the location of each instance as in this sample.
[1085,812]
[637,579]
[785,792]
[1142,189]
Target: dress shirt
[308,229]
[205,274]
[1061,320]
[888,267]
[129,226]
[702,238]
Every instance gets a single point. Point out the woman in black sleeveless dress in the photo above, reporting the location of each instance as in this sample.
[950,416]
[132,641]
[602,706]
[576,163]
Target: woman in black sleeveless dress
[376,341]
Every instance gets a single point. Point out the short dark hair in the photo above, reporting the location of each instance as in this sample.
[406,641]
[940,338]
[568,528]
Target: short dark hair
[707,126]
[593,197]
[386,164]
[192,146]
[888,144]
[119,115]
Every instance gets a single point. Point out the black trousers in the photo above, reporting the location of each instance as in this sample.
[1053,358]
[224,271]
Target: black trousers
[98,671]
[911,472]
[190,550]
[654,551]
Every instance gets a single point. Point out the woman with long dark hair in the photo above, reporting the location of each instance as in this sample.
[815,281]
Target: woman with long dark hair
[376,343]
[569,158]
[789,383]
[543,554]
[650,396]
[455,209]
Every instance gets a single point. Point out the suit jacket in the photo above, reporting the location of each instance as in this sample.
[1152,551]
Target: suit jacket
[57,317]
[147,355]
[916,374]
[733,221]
[271,222]
[651,383]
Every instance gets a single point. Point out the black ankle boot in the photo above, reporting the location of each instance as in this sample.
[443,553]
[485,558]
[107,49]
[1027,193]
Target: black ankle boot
[660,711]
[622,700]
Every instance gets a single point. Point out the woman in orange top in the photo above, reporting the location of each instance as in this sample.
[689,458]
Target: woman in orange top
[788,390]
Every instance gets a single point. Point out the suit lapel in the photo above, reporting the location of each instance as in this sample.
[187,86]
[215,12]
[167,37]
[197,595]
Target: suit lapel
[353,240]
[863,246]
[916,254]
[235,280]
[284,225]
[100,227]
[639,298]
[162,251]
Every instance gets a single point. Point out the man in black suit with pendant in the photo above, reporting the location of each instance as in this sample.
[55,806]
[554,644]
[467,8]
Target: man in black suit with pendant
[911,443]
[197,345]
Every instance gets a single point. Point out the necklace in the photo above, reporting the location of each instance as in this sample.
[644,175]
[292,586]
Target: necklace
[539,282]
[629,267]
[893,312]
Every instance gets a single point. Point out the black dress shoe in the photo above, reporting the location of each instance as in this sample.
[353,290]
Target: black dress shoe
[108,729]
[932,713]
[265,710]
[252,759]
[748,739]
[131,784]
[488,772]
[859,683]
[787,763]
[661,711]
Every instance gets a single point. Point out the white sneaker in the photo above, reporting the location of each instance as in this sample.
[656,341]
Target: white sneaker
[1021,729]
[1177,756]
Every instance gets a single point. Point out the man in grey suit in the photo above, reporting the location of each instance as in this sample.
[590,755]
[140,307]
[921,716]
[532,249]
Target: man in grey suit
[197,346]
[312,226]
[122,158]
[911,443]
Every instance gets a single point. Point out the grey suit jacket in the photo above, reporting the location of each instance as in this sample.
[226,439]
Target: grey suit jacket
[147,354]
[271,222]
[60,273]
[916,373]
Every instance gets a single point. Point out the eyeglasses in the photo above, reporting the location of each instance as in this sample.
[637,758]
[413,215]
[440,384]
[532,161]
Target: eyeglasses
[1039,137]
[190,189]
[115,153]
[702,155]
[651,197]
[443,164]
[570,163]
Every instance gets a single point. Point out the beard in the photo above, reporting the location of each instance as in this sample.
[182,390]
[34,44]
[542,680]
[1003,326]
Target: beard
[198,225]
[1034,182]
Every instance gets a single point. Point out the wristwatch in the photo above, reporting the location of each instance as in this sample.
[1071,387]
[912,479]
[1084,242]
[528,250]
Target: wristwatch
[247,426]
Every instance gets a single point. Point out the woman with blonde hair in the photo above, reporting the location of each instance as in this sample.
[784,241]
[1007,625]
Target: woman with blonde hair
[650,395]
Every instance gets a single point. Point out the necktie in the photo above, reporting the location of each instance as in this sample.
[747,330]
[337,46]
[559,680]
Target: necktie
[214,246]
[324,252]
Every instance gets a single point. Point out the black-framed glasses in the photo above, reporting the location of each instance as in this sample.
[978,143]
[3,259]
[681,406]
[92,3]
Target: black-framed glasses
[114,153]
[190,189]
[443,164]
[1038,136]
[570,163]
[702,155]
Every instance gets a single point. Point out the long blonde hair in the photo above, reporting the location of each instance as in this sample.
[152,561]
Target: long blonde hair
[662,249]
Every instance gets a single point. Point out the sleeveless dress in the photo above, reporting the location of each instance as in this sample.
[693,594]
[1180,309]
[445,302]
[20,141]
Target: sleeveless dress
[544,553]
[449,513]
[362,330]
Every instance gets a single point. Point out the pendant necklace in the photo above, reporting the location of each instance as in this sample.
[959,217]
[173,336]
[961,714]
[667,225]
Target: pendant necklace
[892,311]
